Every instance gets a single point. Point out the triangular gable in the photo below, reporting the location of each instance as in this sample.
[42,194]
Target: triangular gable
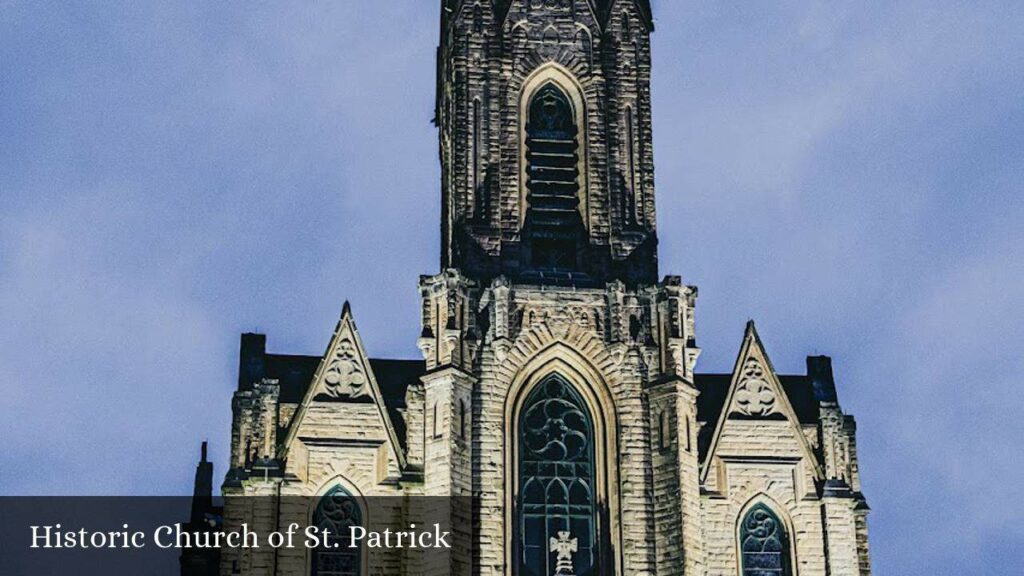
[755,392]
[345,375]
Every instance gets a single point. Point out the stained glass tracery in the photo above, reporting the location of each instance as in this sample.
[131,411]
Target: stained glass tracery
[556,480]
[764,544]
[337,512]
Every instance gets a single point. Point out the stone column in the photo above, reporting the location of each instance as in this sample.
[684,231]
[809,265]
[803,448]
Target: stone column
[679,544]
[840,530]
[447,478]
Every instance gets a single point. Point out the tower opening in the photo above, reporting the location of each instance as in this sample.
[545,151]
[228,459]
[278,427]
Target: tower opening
[553,220]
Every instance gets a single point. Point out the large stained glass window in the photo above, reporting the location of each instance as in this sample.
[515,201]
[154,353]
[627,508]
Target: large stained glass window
[557,517]
[764,545]
[337,511]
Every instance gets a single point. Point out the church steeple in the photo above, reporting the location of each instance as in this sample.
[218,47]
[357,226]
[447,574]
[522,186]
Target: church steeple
[545,141]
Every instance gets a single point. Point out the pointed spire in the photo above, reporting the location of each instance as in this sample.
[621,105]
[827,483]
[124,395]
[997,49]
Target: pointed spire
[751,338]
[346,310]
[202,488]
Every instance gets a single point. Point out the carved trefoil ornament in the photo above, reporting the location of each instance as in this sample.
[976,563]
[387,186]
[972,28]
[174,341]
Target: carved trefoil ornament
[345,376]
[755,396]
[564,547]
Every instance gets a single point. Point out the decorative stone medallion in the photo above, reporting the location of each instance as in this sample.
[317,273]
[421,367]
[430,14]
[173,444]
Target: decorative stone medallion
[755,396]
[345,377]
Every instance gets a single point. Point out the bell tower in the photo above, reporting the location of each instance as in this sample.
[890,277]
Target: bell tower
[557,407]
[544,114]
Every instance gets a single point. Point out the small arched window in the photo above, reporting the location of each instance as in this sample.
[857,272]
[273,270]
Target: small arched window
[631,148]
[764,544]
[463,420]
[688,446]
[338,511]
[551,38]
[661,430]
[585,45]
[476,151]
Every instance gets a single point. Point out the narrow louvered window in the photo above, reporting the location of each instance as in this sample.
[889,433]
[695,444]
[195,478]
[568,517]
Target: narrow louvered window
[476,151]
[552,179]
[631,161]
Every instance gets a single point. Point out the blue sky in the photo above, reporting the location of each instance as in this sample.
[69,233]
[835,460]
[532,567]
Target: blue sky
[847,174]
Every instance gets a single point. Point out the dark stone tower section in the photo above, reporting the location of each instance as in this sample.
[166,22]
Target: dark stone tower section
[547,165]
[554,228]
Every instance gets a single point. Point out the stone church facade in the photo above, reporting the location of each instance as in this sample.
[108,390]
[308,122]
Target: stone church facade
[558,389]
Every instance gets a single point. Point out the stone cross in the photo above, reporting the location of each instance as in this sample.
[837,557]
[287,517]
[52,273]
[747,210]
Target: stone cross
[565,547]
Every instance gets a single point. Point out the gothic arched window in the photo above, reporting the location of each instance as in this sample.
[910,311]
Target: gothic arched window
[552,178]
[556,512]
[476,145]
[463,420]
[585,45]
[631,149]
[764,544]
[338,511]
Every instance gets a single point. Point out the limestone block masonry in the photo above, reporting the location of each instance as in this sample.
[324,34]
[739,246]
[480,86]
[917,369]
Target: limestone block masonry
[558,389]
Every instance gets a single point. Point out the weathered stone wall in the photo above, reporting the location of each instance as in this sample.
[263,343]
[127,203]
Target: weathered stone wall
[610,339]
[487,60]
[254,423]
[777,486]
[630,350]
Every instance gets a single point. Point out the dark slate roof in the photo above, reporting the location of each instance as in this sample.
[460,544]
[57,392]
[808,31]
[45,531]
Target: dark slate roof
[394,378]
[295,373]
[715,387]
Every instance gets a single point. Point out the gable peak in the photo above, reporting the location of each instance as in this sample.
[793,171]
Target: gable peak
[753,347]
[756,393]
[345,376]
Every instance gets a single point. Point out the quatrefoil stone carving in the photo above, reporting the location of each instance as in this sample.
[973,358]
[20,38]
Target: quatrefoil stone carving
[345,377]
[755,396]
